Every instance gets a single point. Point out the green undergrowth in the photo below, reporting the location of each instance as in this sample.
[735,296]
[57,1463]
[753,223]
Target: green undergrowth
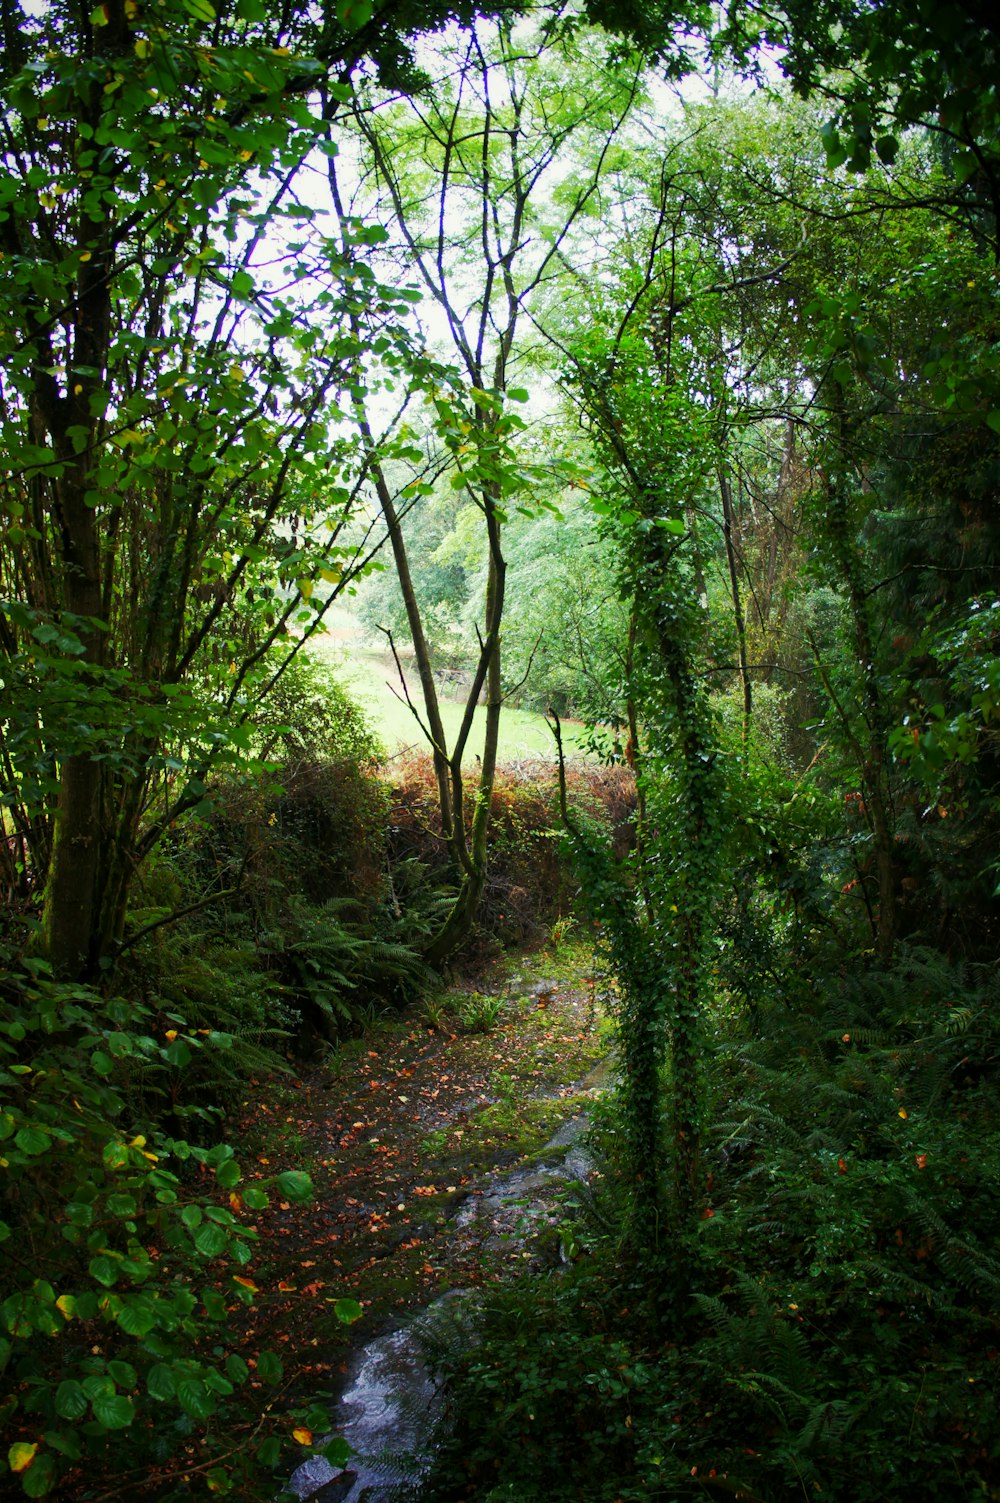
[838,1336]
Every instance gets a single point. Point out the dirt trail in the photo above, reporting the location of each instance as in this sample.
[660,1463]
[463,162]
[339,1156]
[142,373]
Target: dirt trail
[398,1131]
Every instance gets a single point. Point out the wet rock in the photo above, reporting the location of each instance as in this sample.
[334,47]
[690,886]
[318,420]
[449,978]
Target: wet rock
[310,1480]
[337,1491]
[386,1414]
[541,991]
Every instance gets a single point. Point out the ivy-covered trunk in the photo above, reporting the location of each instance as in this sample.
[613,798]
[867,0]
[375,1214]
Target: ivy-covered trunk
[686,802]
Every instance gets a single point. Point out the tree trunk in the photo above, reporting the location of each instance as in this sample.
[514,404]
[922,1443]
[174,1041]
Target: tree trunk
[739,615]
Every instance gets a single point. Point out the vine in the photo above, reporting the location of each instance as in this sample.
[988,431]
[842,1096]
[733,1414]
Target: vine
[656,907]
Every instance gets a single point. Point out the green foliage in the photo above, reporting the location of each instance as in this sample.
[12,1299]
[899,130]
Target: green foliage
[335,970]
[216,981]
[175,503]
[565,645]
[480,1013]
[544,1376]
[124,1248]
[843,1274]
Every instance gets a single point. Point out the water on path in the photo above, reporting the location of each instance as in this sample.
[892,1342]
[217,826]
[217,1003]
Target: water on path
[389,1407]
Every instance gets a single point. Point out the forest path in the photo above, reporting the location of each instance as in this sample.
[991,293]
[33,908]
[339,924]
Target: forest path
[401,1131]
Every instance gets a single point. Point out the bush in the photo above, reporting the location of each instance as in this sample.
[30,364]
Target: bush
[529,885]
[120,1264]
[841,1336]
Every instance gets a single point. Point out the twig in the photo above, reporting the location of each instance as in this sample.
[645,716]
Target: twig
[174,916]
[404,698]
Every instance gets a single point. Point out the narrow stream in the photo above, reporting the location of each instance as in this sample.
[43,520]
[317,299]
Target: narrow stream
[389,1406]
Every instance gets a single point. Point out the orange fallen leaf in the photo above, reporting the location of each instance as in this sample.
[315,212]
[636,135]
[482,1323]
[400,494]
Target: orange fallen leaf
[303,1436]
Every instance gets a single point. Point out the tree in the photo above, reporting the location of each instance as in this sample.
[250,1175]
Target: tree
[472,175]
[176,489]
[887,68]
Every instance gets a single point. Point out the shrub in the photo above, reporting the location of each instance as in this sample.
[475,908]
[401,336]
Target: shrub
[840,1339]
[120,1265]
[529,885]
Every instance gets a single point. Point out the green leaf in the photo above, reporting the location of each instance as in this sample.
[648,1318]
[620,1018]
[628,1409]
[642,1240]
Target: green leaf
[123,1373]
[200,9]
[993,420]
[104,1270]
[353,14]
[137,1317]
[293,1184]
[256,1200]
[269,1367]
[160,1383]
[214,1304]
[337,1452]
[40,1477]
[33,1141]
[228,1174]
[347,1310]
[210,1239]
[194,1398]
[217,1383]
[70,1400]
[114,1411]
[269,1452]
[237,1368]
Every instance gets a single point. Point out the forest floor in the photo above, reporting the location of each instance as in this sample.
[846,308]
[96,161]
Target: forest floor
[399,1131]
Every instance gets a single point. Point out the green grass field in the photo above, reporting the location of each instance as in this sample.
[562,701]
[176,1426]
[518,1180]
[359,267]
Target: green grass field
[370,677]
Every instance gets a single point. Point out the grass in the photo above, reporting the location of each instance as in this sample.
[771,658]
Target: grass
[372,679]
